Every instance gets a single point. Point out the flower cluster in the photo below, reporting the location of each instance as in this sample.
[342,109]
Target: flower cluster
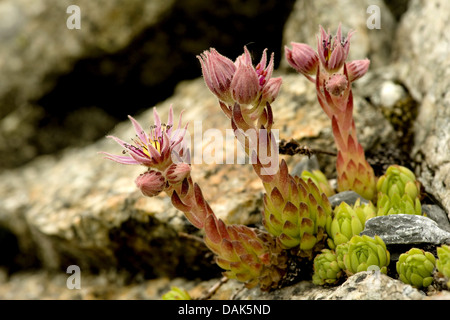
[298,218]
[333,76]
[241,83]
[244,253]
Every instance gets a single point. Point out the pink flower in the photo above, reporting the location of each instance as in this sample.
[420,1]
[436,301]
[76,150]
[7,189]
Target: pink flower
[333,50]
[271,90]
[245,85]
[240,81]
[302,58]
[155,149]
[151,183]
[177,172]
[217,71]
[357,68]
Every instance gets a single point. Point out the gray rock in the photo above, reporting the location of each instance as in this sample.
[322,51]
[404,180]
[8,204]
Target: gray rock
[374,285]
[406,229]
[367,285]
[435,213]
[305,164]
[422,61]
[348,197]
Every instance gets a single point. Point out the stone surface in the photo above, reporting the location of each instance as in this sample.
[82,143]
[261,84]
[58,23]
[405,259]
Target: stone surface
[77,208]
[375,44]
[64,87]
[406,229]
[438,215]
[422,59]
[368,285]
[349,197]
[38,48]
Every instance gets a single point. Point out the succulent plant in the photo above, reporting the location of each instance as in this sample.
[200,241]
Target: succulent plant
[326,268]
[320,180]
[295,211]
[246,254]
[333,80]
[347,221]
[341,250]
[176,293]
[443,262]
[393,205]
[398,180]
[363,252]
[415,267]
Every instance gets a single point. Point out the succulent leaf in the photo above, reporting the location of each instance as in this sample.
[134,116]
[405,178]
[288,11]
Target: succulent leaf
[443,262]
[176,293]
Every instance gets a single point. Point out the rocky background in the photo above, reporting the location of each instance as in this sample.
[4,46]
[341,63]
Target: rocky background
[62,91]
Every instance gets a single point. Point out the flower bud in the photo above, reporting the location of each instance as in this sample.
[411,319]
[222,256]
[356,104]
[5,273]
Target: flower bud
[218,72]
[245,84]
[302,58]
[271,90]
[177,172]
[151,183]
[357,68]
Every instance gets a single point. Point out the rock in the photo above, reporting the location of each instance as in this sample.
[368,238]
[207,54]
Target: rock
[303,26]
[406,229]
[306,164]
[374,285]
[423,65]
[349,197]
[78,208]
[367,285]
[64,87]
[438,215]
[37,49]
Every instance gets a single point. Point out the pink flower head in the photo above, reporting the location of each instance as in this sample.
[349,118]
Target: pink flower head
[333,50]
[240,81]
[254,85]
[357,68]
[217,71]
[302,58]
[151,183]
[156,148]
